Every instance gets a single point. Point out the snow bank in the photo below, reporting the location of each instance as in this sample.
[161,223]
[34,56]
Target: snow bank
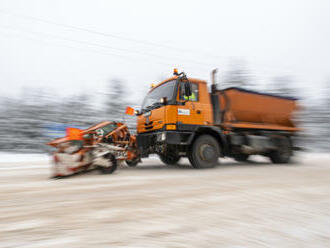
[21,157]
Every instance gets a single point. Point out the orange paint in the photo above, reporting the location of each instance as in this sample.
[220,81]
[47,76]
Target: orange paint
[129,111]
[249,110]
[74,134]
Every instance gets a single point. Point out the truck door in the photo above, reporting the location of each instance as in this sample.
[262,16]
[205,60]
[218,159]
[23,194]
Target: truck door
[191,111]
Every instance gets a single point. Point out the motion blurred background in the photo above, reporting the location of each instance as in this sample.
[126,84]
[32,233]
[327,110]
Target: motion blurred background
[74,63]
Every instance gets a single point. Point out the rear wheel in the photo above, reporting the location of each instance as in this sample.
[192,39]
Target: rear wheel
[169,159]
[283,153]
[112,166]
[205,152]
[241,157]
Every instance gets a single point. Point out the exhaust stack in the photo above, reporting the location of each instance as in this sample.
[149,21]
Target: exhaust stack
[213,80]
[215,99]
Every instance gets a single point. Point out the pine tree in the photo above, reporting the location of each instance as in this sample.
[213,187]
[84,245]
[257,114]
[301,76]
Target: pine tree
[283,86]
[116,99]
[321,119]
[237,76]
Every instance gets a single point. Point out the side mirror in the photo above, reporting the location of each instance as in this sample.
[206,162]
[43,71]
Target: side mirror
[137,112]
[163,100]
[187,89]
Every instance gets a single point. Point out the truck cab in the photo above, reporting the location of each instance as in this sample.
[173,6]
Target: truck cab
[171,115]
[166,107]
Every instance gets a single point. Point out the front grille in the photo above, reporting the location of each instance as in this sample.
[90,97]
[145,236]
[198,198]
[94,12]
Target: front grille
[146,141]
[148,125]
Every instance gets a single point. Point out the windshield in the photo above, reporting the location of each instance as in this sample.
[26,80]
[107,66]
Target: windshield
[106,129]
[164,90]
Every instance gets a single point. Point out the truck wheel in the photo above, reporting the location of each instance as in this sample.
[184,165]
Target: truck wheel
[113,165]
[241,157]
[283,153]
[132,163]
[205,152]
[169,159]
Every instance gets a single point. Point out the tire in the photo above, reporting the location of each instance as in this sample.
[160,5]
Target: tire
[241,157]
[284,152]
[169,159]
[204,152]
[132,163]
[110,169]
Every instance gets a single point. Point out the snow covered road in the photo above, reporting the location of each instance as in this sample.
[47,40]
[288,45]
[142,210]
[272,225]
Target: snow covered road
[234,205]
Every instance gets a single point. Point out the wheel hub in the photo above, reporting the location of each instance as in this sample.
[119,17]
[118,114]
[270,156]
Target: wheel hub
[207,152]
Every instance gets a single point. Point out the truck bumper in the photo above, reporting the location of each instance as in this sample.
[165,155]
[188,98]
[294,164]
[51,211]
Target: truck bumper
[156,142]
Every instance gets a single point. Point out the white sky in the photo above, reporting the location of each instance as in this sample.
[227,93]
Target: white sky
[274,38]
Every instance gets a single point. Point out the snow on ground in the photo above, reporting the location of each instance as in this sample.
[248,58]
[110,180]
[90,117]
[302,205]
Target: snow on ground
[253,204]
[26,158]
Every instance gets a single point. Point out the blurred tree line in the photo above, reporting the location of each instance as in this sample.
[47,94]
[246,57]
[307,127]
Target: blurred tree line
[25,122]
[313,116]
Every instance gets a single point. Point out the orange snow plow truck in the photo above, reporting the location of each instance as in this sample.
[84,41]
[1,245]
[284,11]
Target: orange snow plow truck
[179,117]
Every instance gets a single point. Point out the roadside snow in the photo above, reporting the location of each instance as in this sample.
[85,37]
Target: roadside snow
[39,157]
[21,157]
[16,161]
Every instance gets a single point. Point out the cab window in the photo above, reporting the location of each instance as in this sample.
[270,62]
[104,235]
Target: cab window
[154,96]
[194,90]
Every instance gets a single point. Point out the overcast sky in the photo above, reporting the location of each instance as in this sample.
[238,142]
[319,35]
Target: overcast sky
[78,45]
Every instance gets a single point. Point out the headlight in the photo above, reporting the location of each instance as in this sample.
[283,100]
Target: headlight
[161,136]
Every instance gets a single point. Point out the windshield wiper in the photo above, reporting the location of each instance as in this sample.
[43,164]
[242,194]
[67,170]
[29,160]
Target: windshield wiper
[152,106]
